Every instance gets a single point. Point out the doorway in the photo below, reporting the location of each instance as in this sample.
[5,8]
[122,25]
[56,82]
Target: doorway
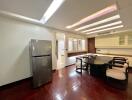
[61,51]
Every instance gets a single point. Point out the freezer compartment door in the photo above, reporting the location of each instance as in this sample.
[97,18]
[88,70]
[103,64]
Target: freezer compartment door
[42,70]
[40,47]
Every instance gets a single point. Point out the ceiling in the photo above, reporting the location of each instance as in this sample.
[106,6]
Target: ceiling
[28,8]
[70,11]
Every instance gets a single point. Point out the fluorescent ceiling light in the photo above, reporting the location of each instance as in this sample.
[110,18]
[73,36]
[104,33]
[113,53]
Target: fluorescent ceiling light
[51,10]
[104,26]
[107,29]
[99,22]
[100,13]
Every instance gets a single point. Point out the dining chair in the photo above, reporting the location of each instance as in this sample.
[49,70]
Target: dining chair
[80,64]
[117,74]
[123,62]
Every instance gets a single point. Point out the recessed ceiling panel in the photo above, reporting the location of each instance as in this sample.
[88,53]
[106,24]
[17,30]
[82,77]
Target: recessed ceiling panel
[28,8]
[70,11]
[74,10]
[126,16]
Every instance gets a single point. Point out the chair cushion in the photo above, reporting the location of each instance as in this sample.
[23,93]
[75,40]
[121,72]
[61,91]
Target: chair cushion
[121,69]
[117,64]
[125,65]
[127,61]
[116,74]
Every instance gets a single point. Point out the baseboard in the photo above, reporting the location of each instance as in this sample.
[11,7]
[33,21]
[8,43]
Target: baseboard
[15,83]
[18,82]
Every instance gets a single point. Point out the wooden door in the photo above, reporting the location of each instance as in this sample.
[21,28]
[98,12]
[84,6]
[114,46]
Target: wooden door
[91,45]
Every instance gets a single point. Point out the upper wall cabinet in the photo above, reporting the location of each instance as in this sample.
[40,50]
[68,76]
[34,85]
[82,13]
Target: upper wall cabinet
[129,39]
[122,40]
[114,41]
[106,41]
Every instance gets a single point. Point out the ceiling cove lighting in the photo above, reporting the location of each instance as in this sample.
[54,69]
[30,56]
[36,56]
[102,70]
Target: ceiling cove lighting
[54,6]
[100,13]
[107,29]
[104,26]
[99,22]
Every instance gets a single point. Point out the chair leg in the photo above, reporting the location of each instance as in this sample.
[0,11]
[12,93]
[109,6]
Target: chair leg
[81,68]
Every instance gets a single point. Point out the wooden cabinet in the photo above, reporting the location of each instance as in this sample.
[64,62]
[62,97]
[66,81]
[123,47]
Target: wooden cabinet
[115,41]
[129,39]
[106,42]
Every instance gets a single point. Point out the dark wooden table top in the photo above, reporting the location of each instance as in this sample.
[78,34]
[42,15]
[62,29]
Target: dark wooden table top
[97,61]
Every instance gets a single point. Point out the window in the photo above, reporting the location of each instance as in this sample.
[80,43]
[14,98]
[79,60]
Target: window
[75,45]
[70,45]
[83,45]
[79,45]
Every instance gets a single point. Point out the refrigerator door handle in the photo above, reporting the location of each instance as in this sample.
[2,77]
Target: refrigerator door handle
[41,55]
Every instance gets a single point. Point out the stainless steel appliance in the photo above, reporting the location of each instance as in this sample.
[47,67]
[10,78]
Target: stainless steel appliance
[41,61]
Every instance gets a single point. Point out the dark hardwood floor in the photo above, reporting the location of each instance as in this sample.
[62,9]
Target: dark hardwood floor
[67,85]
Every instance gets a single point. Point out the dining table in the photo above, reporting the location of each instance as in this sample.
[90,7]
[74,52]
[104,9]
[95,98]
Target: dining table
[98,64]
[98,68]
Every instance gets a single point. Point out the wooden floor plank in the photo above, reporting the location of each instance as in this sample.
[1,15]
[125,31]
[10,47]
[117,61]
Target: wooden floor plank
[67,85]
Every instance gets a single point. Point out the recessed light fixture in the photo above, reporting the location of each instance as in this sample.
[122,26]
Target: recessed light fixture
[107,29]
[51,10]
[104,26]
[99,22]
[100,13]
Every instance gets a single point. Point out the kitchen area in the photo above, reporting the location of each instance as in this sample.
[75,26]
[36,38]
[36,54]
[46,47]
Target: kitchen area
[116,44]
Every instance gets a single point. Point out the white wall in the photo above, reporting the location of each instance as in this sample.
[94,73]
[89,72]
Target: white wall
[14,51]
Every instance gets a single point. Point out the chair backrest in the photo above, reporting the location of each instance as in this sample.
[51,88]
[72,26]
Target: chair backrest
[78,62]
[91,59]
[119,62]
[119,58]
[85,59]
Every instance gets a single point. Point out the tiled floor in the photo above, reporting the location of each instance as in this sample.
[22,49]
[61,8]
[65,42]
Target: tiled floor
[67,85]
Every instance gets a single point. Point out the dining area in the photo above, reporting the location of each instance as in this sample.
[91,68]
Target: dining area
[112,70]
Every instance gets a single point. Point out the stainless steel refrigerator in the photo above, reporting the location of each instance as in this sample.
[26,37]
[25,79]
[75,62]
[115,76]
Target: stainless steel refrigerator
[41,61]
